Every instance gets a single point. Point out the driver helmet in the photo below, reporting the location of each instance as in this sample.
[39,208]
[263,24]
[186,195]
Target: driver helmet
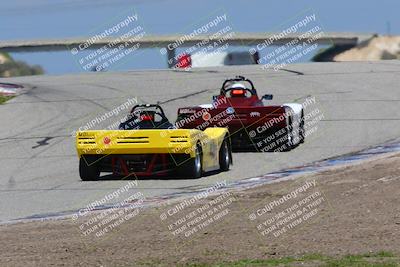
[237,86]
[147,115]
[238,90]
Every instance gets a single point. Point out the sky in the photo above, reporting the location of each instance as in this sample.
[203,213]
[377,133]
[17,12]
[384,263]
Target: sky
[39,19]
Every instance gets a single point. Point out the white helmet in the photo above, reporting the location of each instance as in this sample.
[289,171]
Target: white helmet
[237,86]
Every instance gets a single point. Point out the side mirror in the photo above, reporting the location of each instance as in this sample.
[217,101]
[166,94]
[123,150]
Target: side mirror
[267,97]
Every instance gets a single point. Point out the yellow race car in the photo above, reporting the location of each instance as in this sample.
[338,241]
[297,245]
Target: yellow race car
[148,145]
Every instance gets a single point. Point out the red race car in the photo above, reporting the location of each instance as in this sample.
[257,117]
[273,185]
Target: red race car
[252,124]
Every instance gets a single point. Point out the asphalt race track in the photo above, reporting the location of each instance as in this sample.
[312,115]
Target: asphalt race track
[39,167]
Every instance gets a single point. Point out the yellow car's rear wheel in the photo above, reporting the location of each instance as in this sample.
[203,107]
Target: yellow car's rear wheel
[192,168]
[88,169]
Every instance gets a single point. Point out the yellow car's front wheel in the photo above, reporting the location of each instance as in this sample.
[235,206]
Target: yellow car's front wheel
[224,157]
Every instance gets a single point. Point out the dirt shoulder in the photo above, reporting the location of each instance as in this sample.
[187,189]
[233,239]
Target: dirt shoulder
[348,210]
[377,48]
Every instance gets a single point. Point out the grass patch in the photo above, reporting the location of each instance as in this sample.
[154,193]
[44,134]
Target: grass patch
[377,259]
[3,98]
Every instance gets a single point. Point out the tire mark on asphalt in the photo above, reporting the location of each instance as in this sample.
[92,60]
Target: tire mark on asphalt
[32,93]
[378,119]
[106,87]
[11,181]
[42,142]
[293,71]
[32,137]
[351,73]
[184,96]
[60,101]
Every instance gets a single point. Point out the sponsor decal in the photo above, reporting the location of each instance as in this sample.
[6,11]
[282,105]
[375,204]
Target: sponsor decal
[230,110]
[84,134]
[206,116]
[106,140]
[187,110]
[255,114]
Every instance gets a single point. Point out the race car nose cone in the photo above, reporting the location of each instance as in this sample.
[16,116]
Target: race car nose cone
[10,89]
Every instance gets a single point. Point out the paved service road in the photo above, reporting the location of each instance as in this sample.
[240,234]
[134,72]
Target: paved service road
[39,167]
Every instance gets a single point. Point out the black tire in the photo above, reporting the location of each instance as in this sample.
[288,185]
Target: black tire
[302,130]
[224,157]
[192,168]
[88,168]
[289,136]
